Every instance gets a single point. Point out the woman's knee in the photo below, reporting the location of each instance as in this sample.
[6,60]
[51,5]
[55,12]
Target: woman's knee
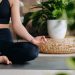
[29,51]
[34,51]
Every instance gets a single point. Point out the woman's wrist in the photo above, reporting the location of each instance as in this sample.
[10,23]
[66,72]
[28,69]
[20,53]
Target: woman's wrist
[32,40]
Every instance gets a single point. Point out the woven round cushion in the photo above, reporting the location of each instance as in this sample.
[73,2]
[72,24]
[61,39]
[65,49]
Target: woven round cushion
[65,46]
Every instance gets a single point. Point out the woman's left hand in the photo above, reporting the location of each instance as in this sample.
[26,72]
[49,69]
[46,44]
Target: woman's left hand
[39,40]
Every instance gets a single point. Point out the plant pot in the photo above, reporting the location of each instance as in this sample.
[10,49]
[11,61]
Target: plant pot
[57,28]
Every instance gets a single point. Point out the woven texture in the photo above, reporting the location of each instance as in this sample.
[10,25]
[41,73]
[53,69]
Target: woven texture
[65,46]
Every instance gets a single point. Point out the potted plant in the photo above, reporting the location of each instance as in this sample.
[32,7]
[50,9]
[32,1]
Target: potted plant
[50,11]
[56,22]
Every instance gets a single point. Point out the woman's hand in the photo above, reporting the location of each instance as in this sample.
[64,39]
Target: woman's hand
[39,40]
[5,60]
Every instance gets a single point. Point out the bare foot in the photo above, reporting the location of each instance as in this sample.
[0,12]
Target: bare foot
[5,60]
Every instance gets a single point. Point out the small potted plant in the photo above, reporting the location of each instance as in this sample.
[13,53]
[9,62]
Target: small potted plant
[56,21]
[51,16]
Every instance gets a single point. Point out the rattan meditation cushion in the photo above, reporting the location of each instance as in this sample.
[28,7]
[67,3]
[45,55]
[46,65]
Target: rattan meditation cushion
[65,46]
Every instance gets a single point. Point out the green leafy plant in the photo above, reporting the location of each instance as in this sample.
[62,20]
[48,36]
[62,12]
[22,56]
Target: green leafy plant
[71,62]
[70,9]
[50,9]
[62,73]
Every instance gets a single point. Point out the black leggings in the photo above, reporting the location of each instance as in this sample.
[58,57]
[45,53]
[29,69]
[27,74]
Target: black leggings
[18,52]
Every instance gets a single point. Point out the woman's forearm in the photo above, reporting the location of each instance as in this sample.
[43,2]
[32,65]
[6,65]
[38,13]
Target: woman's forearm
[22,32]
[19,28]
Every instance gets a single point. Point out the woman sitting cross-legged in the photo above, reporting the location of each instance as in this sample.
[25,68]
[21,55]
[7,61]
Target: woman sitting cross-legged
[18,52]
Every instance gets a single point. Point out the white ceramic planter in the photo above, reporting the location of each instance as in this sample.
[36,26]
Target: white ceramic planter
[57,28]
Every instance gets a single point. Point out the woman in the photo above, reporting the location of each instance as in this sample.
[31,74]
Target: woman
[19,52]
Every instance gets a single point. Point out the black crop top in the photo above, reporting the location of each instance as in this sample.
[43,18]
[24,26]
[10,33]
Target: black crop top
[5,12]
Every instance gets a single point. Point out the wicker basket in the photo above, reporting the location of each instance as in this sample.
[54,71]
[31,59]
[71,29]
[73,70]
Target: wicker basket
[65,46]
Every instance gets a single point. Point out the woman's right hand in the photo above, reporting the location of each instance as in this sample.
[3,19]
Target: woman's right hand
[39,40]
[5,60]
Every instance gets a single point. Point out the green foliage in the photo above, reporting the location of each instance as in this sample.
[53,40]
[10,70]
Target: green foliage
[62,73]
[71,62]
[73,59]
[51,9]
[70,9]
[54,8]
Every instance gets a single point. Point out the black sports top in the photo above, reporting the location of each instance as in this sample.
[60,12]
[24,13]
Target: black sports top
[5,12]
